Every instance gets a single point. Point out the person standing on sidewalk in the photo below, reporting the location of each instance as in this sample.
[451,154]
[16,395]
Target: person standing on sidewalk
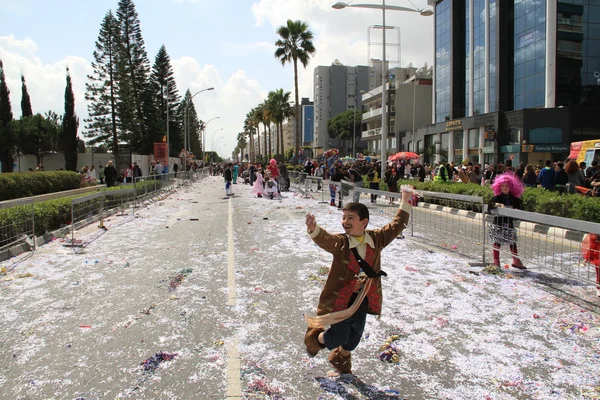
[353,286]
[228,175]
[358,182]
[508,190]
[373,178]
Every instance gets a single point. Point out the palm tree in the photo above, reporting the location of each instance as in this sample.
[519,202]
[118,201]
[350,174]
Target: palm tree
[258,116]
[295,44]
[281,109]
[241,144]
[249,130]
[266,120]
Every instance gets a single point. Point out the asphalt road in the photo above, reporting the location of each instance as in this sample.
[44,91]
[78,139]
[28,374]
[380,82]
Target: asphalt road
[220,285]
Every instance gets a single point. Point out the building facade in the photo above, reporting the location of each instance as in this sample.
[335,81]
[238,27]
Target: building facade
[308,121]
[408,103]
[513,79]
[337,88]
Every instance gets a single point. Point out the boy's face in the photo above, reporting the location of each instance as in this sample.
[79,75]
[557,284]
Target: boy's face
[352,224]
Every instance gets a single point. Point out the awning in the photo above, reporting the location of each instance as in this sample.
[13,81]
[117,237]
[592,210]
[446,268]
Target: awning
[574,154]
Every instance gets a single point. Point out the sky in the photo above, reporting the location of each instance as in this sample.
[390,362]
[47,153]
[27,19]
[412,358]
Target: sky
[226,44]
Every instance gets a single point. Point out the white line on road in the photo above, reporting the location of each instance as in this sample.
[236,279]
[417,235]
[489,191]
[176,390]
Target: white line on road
[231,284]
[234,389]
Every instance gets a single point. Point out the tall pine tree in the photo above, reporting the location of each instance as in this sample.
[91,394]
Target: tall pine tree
[7,140]
[136,106]
[102,126]
[194,125]
[68,140]
[26,110]
[167,99]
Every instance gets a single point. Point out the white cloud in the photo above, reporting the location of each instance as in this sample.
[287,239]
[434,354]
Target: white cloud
[231,99]
[342,34]
[45,82]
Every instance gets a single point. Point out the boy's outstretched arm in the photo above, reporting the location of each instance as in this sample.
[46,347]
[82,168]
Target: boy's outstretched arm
[326,241]
[390,231]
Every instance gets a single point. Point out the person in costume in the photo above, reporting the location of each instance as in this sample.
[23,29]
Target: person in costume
[271,188]
[353,286]
[236,171]
[508,189]
[259,182]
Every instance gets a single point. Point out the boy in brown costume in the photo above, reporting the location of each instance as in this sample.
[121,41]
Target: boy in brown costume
[353,287]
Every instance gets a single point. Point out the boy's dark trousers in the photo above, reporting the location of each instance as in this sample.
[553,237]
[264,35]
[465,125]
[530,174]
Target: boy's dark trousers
[348,332]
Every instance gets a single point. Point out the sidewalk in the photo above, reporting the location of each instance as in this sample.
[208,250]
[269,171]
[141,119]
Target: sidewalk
[79,325]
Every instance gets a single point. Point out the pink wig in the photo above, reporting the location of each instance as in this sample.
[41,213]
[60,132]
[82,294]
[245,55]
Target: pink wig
[515,186]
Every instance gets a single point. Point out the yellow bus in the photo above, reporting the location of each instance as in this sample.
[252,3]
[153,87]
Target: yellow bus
[586,151]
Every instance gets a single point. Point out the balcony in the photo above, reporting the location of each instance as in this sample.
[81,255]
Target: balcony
[371,134]
[371,114]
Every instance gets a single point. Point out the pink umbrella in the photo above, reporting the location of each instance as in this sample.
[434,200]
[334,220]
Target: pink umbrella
[403,155]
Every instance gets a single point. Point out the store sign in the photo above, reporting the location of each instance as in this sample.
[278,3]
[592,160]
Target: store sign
[454,125]
[550,148]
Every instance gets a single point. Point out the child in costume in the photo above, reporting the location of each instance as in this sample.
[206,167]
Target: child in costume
[258,187]
[353,287]
[508,189]
[271,188]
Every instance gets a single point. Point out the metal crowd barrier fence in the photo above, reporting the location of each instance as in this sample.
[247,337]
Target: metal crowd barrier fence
[96,207]
[461,224]
[549,242]
[18,224]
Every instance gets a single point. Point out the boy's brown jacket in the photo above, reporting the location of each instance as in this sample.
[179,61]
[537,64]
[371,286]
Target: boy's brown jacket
[340,276]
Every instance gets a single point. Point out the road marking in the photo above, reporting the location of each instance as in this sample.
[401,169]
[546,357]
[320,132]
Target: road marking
[231,284]
[234,389]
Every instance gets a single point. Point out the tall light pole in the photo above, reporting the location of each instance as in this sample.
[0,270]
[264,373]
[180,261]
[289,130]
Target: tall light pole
[187,129]
[212,140]
[383,7]
[204,136]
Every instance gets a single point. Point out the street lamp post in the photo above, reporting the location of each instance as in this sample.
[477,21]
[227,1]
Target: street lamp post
[204,136]
[216,149]
[383,7]
[187,129]
[212,139]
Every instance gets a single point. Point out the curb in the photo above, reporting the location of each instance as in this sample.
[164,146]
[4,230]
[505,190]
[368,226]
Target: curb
[556,233]
[28,245]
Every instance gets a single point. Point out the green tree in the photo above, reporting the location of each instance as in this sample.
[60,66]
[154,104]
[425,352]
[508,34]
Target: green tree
[167,99]
[37,135]
[101,88]
[70,123]
[343,125]
[194,125]
[7,139]
[136,106]
[242,144]
[250,130]
[295,45]
[280,110]
[26,110]
[257,118]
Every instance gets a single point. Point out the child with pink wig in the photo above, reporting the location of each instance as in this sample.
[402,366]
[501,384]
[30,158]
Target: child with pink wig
[508,189]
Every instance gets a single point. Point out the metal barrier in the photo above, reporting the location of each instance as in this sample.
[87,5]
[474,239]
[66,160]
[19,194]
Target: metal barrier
[95,207]
[18,224]
[549,242]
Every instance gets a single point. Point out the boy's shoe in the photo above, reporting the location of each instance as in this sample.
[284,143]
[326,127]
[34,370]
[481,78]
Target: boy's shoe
[332,203]
[342,364]
[311,340]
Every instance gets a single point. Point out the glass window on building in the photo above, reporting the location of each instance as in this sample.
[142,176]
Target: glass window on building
[473,138]
[444,143]
[467,57]
[545,136]
[529,54]
[492,92]
[442,60]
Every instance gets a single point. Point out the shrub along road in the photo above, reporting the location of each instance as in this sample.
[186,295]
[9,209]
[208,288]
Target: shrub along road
[203,297]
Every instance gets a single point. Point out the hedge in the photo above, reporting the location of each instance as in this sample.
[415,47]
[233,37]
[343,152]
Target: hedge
[49,215]
[26,184]
[541,201]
